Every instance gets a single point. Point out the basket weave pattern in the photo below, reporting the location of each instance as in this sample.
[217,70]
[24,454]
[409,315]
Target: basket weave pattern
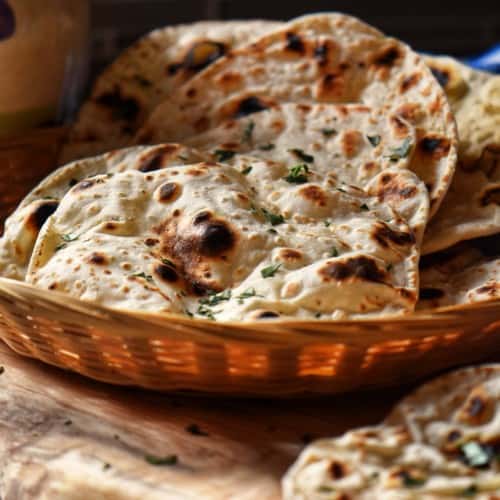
[278,358]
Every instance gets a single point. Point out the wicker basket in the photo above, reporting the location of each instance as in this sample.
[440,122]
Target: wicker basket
[278,358]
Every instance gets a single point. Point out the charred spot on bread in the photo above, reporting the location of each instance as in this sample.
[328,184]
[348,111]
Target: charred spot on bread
[121,107]
[41,213]
[249,106]
[166,273]
[169,192]
[294,42]
[386,236]
[363,268]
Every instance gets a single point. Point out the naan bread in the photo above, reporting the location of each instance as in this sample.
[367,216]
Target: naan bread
[226,243]
[383,463]
[465,273]
[471,208]
[145,74]
[23,226]
[328,58]
[440,442]
[344,144]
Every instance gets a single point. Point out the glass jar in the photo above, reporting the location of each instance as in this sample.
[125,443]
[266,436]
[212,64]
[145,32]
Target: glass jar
[43,61]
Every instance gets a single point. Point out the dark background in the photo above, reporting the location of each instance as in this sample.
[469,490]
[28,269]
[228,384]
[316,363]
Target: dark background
[432,26]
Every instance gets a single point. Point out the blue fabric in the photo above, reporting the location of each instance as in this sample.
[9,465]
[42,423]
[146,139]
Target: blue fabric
[489,61]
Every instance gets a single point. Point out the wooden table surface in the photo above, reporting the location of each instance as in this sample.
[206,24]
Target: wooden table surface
[66,437]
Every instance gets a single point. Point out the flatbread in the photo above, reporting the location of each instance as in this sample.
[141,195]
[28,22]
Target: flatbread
[471,208]
[465,273]
[328,58]
[219,244]
[23,226]
[442,441]
[345,144]
[144,75]
[383,463]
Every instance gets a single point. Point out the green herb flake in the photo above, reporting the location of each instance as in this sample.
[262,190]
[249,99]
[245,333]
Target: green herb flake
[270,271]
[168,262]
[272,231]
[267,147]
[475,455]
[205,311]
[247,170]
[302,155]
[247,294]
[334,252]
[412,482]
[326,489]
[342,190]
[317,315]
[298,174]
[188,313]
[145,276]
[247,133]
[195,430]
[216,298]
[328,132]
[272,218]
[374,140]
[166,460]
[68,238]
[364,207]
[327,223]
[471,491]
[402,151]
[223,154]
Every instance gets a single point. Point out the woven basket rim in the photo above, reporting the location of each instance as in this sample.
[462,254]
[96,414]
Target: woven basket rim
[101,312]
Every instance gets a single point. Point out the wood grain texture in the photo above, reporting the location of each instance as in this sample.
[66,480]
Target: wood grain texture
[65,437]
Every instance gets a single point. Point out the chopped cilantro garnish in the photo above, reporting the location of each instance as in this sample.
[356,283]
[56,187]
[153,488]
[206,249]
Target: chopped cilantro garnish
[167,460]
[168,262]
[334,252]
[298,174]
[247,133]
[327,223]
[342,190]
[272,231]
[302,155]
[270,271]
[68,238]
[471,491]
[328,132]
[374,140]
[267,147]
[326,489]
[247,170]
[224,154]
[273,219]
[247,294]
[476,455]
[216,298]
[317,315]
[188,313]
[402,152]
[205,311]
[412,482]
[145,276]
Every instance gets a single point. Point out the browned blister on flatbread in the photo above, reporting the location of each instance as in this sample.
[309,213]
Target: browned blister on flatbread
[146,73]
[471,208]
[324,58]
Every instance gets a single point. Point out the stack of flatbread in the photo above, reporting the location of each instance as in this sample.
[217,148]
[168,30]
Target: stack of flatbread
[271,170]
[440,442]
